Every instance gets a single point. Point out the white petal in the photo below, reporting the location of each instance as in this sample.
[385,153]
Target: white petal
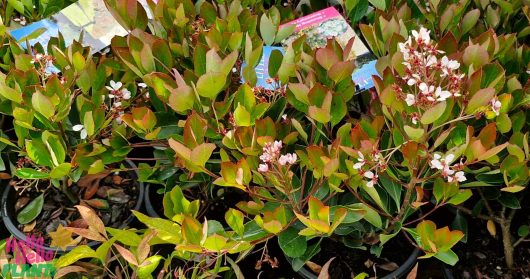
[358,166]
[369,174]
[449,158]
[83,134]
[78,127]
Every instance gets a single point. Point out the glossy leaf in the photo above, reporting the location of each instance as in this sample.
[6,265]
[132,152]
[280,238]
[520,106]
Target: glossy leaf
[31,211]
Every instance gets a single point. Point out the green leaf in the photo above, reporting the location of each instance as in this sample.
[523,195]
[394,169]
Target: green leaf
[79,252]
[356,9]
[380,4]
[284,32]
[42,104]
[299,129]
[214,242]
[96,167]
[38,153]
[479,99]
[449,257]
[234,218]
[242,116]
[10,93]
[145,270]
[267,29]
[293,245]
[392,188]
[319,114]
[210,84]
[27,173]
[475,55]
[201,153]
[509,200]
[61,170]
[31,211]
[55,147]
[413,133]
[523,231]
[461,197]
[88,122]
[275,61]
[432,114]
[460,223]
[469,20]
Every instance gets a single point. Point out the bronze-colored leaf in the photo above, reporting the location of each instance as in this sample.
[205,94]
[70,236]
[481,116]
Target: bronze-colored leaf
[69,269]
[413,273]
[126,254]
[62,238]
[92,219]
[324,273]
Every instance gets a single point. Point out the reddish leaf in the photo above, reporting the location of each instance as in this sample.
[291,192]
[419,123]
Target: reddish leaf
[126,254]
[413,273]
[92,219]
[324,273]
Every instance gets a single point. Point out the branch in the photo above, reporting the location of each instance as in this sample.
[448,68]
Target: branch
[480,216]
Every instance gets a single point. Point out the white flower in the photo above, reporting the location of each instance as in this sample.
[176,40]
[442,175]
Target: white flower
[444,164]
[142,85]
[411,100]
[263,168]
[117,104]
[450,64]
[287,159]
[234,70]
[442,95]
[415,119]
[496,106]
[404,48]
[80,128]
[459,176]
[360,161]
[426,89]
[126,94]
[271,150]
[431,60]
[373,178]
[413,80]
[284,117]
[114,86]
[422,36]
[438,162]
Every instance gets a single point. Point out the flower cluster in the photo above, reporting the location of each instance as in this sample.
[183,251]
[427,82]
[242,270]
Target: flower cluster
[379,162]
[451,173]
[117,94]
[431,79]
[272,153]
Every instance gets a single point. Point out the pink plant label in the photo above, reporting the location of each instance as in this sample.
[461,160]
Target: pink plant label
[310,20]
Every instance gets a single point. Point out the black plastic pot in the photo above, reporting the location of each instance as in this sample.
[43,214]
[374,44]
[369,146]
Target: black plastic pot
[401,272]
[9,197]
[149,201]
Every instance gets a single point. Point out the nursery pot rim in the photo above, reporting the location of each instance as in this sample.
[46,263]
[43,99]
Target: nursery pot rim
[19,235]
[402,270]
[149,208]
